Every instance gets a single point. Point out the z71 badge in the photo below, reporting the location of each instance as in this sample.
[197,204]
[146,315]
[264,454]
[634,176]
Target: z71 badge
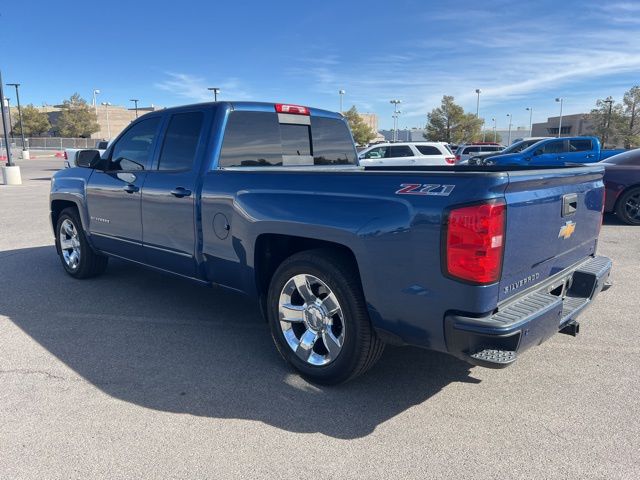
[425,189]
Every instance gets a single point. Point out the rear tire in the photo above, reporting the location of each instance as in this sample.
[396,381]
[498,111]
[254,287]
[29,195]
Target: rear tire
[318,317]
[77,257]
[628,206]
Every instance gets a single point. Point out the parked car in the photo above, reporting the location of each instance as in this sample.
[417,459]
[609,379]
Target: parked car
[407,154]
[622,186]
[465,152]
[514,148]
[556,151]
[269,200]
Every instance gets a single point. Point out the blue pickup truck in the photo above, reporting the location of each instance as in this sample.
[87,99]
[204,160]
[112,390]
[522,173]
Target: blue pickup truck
[554,151]
[269,200]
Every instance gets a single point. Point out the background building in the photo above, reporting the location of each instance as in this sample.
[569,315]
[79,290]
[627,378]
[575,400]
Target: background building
[572,125]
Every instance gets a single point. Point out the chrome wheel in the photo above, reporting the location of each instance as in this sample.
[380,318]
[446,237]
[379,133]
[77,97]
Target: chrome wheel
[311,319]
[70,244]
[632,206]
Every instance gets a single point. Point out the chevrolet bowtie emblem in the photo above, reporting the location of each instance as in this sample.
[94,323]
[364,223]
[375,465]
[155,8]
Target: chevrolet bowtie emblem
[567,230]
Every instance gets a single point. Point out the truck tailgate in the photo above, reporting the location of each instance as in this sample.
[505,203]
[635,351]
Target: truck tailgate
[552,223]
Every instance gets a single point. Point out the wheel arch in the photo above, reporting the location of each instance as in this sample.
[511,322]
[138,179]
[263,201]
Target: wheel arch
[272,249]
[623,193]
[57,206]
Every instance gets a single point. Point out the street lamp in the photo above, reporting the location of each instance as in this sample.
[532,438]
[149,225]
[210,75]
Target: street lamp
[6,131]
[560,99]
[478,91]
[135,101]
[395,103]
[341,93]
[495,133]
[95,104]
[215,91]
[509,137]
[106,109]
[25,156]
[8,100]
[530,110]
[608,100]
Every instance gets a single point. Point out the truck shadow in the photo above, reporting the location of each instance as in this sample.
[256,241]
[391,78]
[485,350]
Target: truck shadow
[163,343]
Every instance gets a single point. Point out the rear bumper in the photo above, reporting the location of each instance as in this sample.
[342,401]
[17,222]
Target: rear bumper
[529,319]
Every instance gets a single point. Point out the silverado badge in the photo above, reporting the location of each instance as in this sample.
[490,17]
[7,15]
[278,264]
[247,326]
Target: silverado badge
[567,230]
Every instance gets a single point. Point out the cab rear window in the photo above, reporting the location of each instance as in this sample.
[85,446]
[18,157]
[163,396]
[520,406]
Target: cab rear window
[258,139]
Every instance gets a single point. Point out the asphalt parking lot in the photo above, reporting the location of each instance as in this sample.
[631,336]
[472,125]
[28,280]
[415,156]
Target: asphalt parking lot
[139,375]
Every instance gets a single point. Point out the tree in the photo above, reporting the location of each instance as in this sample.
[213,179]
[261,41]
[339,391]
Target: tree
[488,136]
[449,123]
[76,119]
[607,125]
[362,133]
[35,122]
[631,123]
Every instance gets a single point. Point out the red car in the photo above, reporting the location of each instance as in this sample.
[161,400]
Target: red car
[622,186]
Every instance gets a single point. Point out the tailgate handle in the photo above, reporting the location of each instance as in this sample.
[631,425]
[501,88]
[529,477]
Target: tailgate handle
[569,204]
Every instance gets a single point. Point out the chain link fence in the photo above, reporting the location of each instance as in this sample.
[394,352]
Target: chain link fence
[50,143]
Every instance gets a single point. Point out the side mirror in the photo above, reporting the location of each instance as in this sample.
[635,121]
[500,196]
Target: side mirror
[537,152]
[88,158]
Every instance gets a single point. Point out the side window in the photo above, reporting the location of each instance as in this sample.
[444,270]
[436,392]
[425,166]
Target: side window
[251,139]
[399,151]
[181,141]
[332,142]
[132,151]
[580,145]
[428,150]
[378,152]
[471,150]
[554,147]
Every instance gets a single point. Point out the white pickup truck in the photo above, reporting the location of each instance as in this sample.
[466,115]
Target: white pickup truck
[70,154]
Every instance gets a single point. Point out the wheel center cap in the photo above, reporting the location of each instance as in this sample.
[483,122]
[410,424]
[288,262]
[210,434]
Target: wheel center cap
[314,317]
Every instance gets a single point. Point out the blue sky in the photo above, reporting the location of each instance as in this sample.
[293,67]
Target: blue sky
[519,54]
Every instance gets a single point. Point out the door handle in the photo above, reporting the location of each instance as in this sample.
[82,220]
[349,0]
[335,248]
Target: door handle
[129,188]
[180,192]
[590,155]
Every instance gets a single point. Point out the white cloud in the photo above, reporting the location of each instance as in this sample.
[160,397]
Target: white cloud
[194,88]
[510,59]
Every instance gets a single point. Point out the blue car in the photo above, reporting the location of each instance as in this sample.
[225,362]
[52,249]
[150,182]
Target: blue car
[556,151]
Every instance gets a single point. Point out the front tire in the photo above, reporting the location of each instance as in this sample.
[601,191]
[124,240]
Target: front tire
[628,207]
[77,257]
[318,317]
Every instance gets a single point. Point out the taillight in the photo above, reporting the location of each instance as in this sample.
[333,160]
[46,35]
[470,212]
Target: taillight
[475,242]
[457,158]
[293,109]
[65,155]
[450,160]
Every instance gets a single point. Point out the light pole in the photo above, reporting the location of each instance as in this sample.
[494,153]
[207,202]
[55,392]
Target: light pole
[478,91]
[106,109]
[24,145]
[495,133]
[6,131]
[395,103]
[135,101]
[9,114]
[509,136]
[341,93]
[561,100]
[608,100]
[95,102]
[215,91]
[530,110]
